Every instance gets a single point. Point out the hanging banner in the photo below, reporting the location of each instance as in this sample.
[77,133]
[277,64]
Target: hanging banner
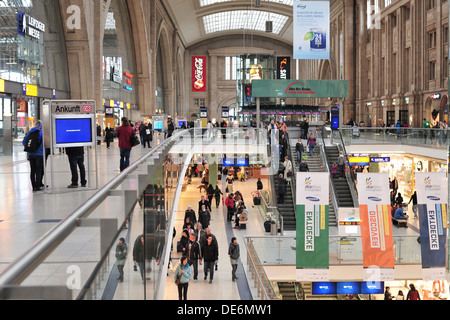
[284,68]
[311,29]
[376,226]
[312,262]
[198,74]
[433,221]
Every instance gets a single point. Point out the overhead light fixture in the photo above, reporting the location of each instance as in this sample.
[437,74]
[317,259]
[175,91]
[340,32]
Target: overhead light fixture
[257,3]
[269,26]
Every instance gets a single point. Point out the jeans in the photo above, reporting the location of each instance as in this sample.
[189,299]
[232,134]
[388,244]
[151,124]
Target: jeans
[182,290]
[209,265]
[311,149]
[233,271]
[120,268]
[36,166]
[299,156]
[124,159]
[75,163]
[194,263]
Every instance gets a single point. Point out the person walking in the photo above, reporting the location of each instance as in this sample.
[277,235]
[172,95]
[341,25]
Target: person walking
[190,213]
[125,132]
[148,135]
[210,254]
[34,146]
[204,216]
[311,143]
[194,254]
[303,166]
[76,161]
[259,184]
[341,164]
[217,195]
[99,134]
[234,253]
[287,169]
[139,254]
[109,135]
[182,277]
[300,149]
[414,201]
[121,256]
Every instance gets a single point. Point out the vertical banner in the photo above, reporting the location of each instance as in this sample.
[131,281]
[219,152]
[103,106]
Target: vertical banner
[311,29]
[198,74]
[376,226]
[283,68]
[312,201]
[433,222]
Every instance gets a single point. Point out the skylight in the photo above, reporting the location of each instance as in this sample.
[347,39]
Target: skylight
[243,19]
[210,2]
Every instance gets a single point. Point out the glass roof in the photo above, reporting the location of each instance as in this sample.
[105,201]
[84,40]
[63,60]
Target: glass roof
[209,2]
[243,19]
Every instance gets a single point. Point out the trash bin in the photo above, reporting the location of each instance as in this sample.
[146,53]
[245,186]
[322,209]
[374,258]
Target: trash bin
[273,228]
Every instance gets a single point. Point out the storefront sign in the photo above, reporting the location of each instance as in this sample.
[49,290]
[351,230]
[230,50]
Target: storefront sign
[199,74]
[436,96]
[380,159]
[29,26]
[376,226]
[311,29]
[2,85]
[283,68]
[433,221]
[203,113]
[30,90]
[225,112]
[312,202]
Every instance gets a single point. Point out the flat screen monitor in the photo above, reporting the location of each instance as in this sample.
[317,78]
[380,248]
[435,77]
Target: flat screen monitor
[180,123]
[73,131]
[372,287]
[228,162]
[323,288]
[242,162]
[348,287]
[158,125]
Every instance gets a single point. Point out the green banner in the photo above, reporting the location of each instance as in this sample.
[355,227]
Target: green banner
[312,237]
[299,88]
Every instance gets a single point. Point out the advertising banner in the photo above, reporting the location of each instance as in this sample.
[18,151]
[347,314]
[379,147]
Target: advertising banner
[433,222]
[376,226]
[312,261]
[311,29]
[284,68]
[198,74]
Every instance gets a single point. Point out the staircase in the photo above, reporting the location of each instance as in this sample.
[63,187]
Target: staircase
[286,210]
[341,187]
[287,290]
[315,164]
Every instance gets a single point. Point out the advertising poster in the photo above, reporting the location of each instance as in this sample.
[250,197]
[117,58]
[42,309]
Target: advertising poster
[433,222]
[311,29]
[312,261]
[283,68]
[376,226]
[198,74]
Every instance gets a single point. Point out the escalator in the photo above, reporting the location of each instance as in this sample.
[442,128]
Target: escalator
[287,290]
[287,209]
[341,186]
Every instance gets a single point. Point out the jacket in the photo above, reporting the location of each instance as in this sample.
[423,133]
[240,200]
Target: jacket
[40,151]
[191,215]
[210,252]
[204,217]
[184,277]
[124,133]
[229,202]
[282,186]
[303,167]
[234,251]
[138,250]
[75,151]
[193,252]
[121,253]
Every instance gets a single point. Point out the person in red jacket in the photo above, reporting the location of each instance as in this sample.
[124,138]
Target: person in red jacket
[124,133]
[229,203]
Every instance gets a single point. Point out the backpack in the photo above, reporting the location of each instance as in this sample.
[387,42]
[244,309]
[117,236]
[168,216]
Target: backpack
[33,142]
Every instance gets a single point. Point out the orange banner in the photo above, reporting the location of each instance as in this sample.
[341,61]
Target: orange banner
[376,236]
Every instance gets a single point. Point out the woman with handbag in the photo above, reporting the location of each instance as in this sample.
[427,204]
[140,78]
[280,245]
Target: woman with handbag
[182,277]
[125,133]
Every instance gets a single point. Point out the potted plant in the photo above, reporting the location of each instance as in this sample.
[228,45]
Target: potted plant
[256,197]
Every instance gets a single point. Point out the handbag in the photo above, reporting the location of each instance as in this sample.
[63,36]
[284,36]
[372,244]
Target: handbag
[289,174]
[134,141]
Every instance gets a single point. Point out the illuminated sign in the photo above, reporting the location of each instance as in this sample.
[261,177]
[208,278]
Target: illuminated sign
[283,68]
[31,90]
[199,74]
[2,85]
[436,96]
[29,26]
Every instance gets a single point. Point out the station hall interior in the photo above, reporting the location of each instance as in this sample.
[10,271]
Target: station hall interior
[219,95]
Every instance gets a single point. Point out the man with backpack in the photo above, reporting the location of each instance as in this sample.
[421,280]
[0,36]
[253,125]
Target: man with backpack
[34,146]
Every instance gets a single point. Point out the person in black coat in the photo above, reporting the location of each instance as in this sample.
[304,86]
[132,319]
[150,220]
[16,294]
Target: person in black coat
[204,202]
[193,254]
[210,193]
[109,136]
[210,254]
[259,184]
[204,217]
[148,135]
[139,254]
[282,186]
[217,194]
[190,214]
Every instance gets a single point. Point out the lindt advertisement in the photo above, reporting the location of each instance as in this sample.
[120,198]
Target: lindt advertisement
[198,74]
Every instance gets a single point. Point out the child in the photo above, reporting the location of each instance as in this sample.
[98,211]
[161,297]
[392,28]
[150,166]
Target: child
[334,170]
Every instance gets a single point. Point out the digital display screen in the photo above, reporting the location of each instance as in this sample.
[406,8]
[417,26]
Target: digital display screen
[228,162]
[158,125]
[372,287]
[180,123]
[73,130]
[348,287]
[321,288]
[242,162]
